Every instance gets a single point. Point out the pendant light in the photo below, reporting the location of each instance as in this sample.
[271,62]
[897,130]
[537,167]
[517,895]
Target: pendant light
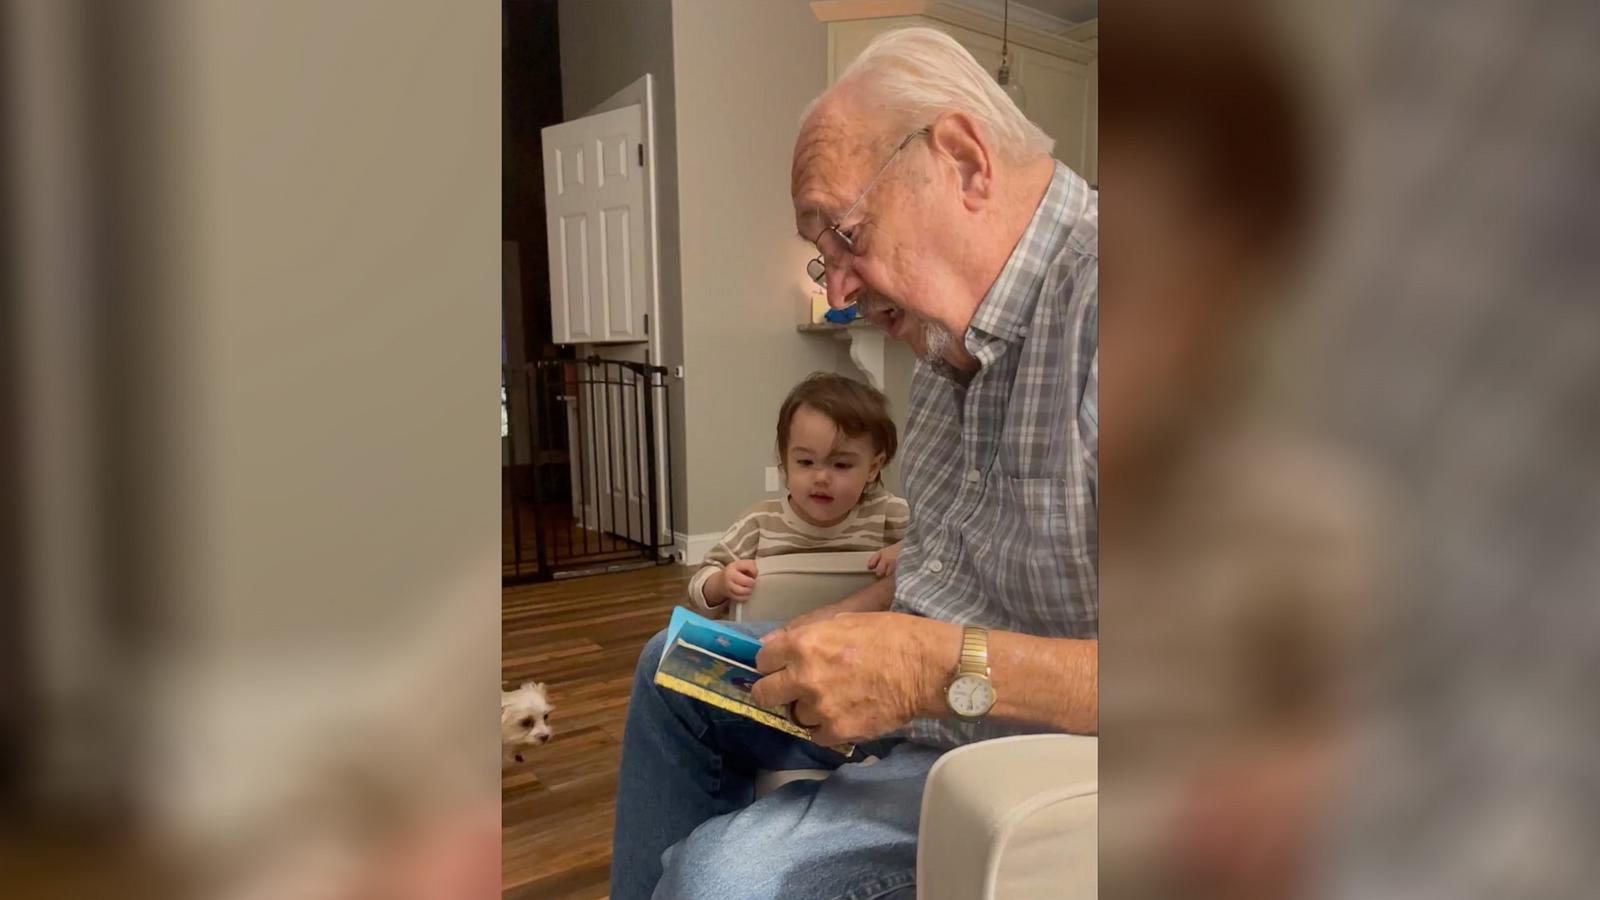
[1008,82]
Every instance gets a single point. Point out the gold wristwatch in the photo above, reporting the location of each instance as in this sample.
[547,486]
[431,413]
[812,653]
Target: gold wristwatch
[970,693]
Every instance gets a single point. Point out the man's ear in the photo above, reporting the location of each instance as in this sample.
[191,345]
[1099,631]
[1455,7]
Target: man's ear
[956,137]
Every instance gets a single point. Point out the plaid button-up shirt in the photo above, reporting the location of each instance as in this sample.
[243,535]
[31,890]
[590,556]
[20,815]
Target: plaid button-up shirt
[1002,472]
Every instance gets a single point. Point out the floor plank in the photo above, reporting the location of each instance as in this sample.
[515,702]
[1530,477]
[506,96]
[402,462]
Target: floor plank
[581,637]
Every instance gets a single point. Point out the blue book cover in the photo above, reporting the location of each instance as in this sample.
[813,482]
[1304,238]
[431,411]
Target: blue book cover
[715,664]
[720,639]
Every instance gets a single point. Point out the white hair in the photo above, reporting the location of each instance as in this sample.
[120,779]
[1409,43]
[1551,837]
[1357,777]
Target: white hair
[917,73]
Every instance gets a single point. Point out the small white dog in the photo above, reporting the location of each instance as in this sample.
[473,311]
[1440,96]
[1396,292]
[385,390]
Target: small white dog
[524,720]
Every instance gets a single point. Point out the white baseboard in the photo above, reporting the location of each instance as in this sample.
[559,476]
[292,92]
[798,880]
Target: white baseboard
[694,546]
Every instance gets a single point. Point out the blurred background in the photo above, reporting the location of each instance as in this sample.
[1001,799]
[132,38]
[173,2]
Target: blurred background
[249,581]
[1350,356]
[250,625]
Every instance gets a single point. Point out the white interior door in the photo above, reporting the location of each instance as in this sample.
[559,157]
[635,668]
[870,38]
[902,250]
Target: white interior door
[600,248]
[600,208]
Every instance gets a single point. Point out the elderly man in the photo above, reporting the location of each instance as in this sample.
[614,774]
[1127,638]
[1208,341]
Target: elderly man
[935,208]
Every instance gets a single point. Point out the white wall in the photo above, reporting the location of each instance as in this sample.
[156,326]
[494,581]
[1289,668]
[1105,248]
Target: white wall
[744,72]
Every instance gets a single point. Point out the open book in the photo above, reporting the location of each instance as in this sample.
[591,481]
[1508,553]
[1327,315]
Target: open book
[715,664]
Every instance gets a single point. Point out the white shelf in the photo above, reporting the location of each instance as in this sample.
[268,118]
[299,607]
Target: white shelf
[866,346]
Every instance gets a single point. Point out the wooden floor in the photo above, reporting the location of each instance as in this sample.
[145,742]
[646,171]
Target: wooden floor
[580,637]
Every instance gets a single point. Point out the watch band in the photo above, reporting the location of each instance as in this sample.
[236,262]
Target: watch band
[974,652]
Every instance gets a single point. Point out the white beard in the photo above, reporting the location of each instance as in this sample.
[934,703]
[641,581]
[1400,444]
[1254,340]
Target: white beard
[935,341]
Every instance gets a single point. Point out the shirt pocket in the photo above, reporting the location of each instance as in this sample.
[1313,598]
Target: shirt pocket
[1037,568]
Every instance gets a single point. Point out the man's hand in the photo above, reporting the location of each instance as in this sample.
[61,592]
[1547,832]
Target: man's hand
[734,582]
[884,561]
[858,676]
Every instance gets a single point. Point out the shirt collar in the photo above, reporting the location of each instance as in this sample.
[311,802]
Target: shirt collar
[1008,306]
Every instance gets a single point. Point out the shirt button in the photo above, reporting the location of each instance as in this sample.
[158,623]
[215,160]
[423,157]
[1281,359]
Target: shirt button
[973,475]
[936,566]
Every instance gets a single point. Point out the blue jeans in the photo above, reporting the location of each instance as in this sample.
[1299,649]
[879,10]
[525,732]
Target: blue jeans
[687,827]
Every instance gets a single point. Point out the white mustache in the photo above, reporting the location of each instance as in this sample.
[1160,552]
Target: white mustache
[871,303]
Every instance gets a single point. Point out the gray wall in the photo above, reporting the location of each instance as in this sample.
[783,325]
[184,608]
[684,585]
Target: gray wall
[304,234]
[605,46]
[898,365]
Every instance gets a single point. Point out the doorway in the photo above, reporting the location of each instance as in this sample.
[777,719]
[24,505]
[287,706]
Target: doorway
[584,411]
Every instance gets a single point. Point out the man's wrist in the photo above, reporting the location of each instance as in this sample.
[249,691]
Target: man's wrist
[941,654]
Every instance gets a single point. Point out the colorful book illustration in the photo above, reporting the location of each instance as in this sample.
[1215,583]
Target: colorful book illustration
[716,664]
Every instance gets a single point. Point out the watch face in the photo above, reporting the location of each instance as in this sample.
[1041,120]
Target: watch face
[970,695]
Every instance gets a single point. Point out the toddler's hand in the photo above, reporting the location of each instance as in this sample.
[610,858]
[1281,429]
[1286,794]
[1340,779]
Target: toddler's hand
[884,561]
[739,579]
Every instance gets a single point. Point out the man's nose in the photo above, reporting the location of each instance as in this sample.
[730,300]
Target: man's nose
[842,284]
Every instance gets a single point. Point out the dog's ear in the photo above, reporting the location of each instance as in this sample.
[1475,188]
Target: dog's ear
[528,684]
[540,686]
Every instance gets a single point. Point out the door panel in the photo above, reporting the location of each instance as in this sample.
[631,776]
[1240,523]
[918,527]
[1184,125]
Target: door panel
[595,207]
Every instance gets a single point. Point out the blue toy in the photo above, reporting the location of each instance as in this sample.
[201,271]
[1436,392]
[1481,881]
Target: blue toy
[841,316]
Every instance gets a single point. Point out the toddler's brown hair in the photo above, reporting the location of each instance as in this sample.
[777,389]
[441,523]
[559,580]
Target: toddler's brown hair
[856,409]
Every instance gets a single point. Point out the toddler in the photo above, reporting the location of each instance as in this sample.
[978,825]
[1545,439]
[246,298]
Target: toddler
[834,438]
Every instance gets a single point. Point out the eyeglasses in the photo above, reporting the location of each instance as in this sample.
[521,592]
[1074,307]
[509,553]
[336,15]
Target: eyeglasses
[841,241]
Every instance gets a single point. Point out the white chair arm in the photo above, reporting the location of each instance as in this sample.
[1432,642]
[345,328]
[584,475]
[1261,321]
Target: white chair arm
[1011,818]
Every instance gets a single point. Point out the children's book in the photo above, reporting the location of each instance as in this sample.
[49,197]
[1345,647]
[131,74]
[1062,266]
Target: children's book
[716,664]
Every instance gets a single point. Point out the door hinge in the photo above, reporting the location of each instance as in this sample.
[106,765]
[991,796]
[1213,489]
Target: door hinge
[641,156]
[646,323]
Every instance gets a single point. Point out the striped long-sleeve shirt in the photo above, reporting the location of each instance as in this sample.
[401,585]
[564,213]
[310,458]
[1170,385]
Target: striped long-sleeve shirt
[772,528]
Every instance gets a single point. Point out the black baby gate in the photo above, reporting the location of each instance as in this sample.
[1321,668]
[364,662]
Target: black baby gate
[585,468]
